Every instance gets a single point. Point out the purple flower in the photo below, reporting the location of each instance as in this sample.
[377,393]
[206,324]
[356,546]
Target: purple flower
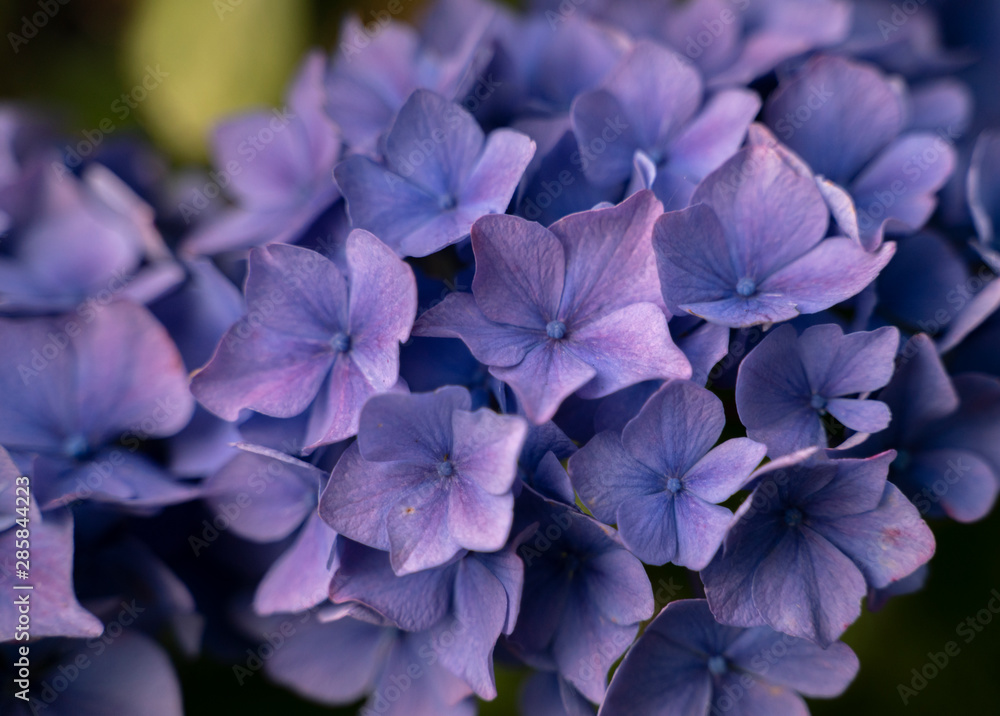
[69,241]
[463,607]
[373,77]
[574,307]
[946,434]
[661,480]
[808,543]
[687,663]
[426,479]
[313,337]
[847,121]
[441,173]
[276,166]
[751,248]
[584,595]
[789,383]
[649,111]
[83,392]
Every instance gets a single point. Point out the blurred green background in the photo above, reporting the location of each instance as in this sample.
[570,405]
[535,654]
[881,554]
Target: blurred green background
[220,56]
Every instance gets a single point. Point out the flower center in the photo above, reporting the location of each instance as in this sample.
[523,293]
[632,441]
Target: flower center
[746,287]
[674,484]
[447,202]
[793,517]
[446,468]
[556,330]
[717,665]
[818,403]
[341,342]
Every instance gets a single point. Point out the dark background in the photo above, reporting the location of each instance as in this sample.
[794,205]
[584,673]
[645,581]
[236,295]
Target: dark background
[231,54]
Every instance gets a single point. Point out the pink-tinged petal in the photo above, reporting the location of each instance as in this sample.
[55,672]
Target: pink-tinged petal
[853,112]
[416,427]
[675,428]
[300,578]
[486,448]
[649,527]
[520,267]
[808,588]
[771,213]
[383,306]
[887,543]
[491,184]
[419,529]
[360,494]
[693,258]
[276,357]
[609,257]
[336,411]
[724,470]
[715,134]
[549,374]
[865,416]
[458,316]
[55,610]
[626,347]
[477,520]
[834,271]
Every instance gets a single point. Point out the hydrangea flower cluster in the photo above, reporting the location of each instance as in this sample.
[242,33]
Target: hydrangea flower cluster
[518,309]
